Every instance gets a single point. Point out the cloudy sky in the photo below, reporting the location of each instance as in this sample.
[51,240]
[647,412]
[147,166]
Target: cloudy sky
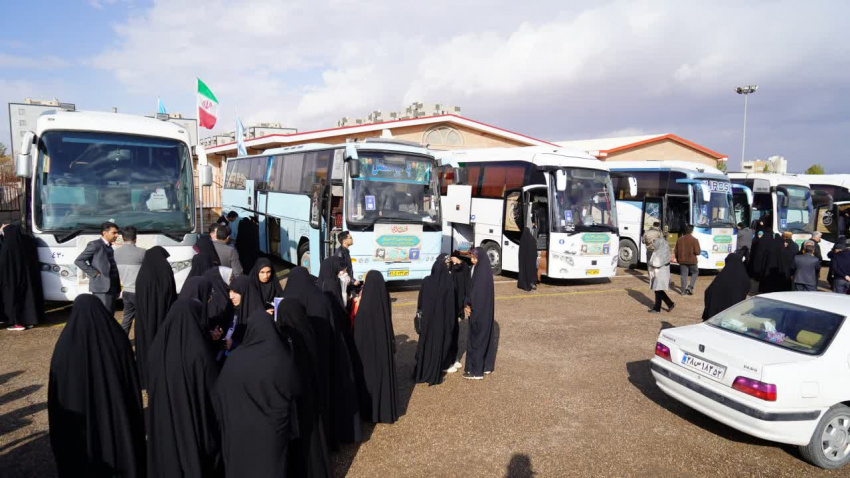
[555,70]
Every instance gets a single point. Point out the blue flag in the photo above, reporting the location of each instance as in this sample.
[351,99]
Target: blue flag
[240,138]
[160,108]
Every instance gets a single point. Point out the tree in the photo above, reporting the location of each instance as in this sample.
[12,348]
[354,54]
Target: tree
[815,169]
[7,166]
[721,165]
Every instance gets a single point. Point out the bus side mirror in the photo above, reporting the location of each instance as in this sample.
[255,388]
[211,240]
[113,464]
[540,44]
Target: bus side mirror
[353,160]
[23,168]
[633,190]
[706,192]
[561,180]
[205,175]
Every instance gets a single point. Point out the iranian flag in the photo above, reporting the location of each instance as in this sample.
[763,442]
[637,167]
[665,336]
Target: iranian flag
[207,106]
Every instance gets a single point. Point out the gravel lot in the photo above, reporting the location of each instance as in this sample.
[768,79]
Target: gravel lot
[572,395]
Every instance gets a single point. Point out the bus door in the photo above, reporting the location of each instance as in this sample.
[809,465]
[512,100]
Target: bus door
[742,203]
[512,227]
[832,220]
[653,211]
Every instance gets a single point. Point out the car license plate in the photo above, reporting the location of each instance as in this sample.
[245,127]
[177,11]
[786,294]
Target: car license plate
[720,264]
[593,272]
[398,273]
[703,366]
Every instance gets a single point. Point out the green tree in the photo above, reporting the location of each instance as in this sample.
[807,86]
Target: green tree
[721,165]
[815,169]
[7,166]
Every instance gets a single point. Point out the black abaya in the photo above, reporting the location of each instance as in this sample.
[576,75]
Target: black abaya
[219,308]
[155,292]
[94,406]
[308,454]
[789,250]
[527,277]
[183,437]
[768,263]
[200,264]
[481,345]
[248,243]
[435,335]
[730,286]
[328,280]
[254,402]
[262,294]
[199,289]
[21,296]
[375,342]
[204,245]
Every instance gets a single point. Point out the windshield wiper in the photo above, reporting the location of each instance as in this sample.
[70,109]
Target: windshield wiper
[175,236]
[75,232]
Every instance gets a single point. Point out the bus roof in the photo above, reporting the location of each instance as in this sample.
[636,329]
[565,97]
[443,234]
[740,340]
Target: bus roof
[774,178]
[109,123]
[537,155]
[371,144]
[696,169]
[842,180]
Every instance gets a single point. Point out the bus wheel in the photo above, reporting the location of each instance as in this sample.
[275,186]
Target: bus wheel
[628,255]
[304,255]
[495,255]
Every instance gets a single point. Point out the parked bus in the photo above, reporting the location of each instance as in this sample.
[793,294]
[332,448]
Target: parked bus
[783,200]
[86,168]
[385,192]
[676,194]
[564,197]
[831,201]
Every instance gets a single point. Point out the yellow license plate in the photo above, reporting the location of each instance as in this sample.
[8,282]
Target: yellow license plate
[593,272]
[398,273]
[720,264]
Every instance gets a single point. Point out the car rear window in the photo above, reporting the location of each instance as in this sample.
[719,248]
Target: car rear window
[790,326]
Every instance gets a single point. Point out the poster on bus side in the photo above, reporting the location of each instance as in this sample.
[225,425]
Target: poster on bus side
[398,242]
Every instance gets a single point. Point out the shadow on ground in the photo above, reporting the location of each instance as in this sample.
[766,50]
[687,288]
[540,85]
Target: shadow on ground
[520,467]
[640,297]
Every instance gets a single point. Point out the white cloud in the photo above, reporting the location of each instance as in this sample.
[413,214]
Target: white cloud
[8,61]
[99,4]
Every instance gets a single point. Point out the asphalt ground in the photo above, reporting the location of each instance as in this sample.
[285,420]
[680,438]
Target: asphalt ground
[571,395]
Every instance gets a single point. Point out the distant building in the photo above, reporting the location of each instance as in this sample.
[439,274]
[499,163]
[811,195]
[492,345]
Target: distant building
[254,131]
[659,147]
[23,116]
[773,164]
[413,111]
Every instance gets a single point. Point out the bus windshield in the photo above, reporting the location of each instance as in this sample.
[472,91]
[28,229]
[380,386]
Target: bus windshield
[84,179]
[587,203]
[795,208]
[717,211]
[394,187]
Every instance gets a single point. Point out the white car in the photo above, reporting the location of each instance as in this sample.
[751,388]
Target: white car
[775,366]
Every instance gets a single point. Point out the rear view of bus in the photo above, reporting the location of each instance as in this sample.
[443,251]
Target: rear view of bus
[90,168]
[564,198]
[384,192]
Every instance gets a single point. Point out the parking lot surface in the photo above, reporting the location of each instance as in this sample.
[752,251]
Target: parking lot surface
[572,395]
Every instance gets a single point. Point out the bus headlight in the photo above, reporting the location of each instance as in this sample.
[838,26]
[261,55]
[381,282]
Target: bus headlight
[55,268]
[64,273]
[45,267]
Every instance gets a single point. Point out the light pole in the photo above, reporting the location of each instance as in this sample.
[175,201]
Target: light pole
[745,90]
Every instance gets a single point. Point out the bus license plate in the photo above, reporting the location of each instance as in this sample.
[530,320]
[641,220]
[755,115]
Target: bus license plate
[704,367]
[593,272]
[398,273]
[720,264]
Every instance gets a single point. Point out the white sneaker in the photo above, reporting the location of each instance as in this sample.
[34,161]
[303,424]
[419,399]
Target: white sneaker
[451,369]
[488,373]
[457,365]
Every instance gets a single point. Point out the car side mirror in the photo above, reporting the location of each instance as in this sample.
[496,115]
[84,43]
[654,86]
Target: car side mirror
[23,168]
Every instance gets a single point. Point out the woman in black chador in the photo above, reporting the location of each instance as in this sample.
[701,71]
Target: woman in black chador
[481,346]
[308,454]
[21,296]
[155,292]
[254,402]
[375,342]
[767,262]
[248,243]
[264,286]
[94,406]
[183,438]
[436,303]
[730,286]
[527,278]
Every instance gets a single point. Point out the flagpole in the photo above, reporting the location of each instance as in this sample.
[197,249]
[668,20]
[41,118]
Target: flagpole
[197,143]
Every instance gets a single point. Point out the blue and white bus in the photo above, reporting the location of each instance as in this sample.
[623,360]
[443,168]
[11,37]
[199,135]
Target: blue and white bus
[676,194]
[385,192]
[783,199]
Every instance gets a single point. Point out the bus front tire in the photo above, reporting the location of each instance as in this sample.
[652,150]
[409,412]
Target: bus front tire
[304,255]
[627,256]
[494,253]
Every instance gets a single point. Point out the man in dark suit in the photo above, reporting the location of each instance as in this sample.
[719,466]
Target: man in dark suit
[98,262]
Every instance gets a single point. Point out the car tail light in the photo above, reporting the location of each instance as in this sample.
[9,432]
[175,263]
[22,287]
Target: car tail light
[662,351]
[764,391]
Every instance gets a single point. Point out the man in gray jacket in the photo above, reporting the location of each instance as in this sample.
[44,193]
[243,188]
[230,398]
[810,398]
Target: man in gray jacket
[129,258]
[806,269]
[98,262]
[227,255]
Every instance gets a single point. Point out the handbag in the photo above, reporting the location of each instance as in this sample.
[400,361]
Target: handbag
[417,322]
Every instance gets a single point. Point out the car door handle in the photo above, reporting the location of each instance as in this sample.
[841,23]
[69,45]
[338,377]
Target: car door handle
[506,243]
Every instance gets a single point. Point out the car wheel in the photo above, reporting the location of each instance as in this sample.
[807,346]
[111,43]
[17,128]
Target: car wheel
[830,445]
[627,256]
[304,255]
[494,253]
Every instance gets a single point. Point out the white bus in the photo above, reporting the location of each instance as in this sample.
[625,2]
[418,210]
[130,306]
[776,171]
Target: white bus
[86,168]
[831,201]
[565,197]
[385,192]
[785,200]
[676,194]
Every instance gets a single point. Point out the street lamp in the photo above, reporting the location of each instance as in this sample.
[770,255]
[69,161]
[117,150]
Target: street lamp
[745,90]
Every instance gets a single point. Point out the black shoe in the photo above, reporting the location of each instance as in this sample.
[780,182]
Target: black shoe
[689,292]
[652,311]
[533,286]
[670,307]
[470,376]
